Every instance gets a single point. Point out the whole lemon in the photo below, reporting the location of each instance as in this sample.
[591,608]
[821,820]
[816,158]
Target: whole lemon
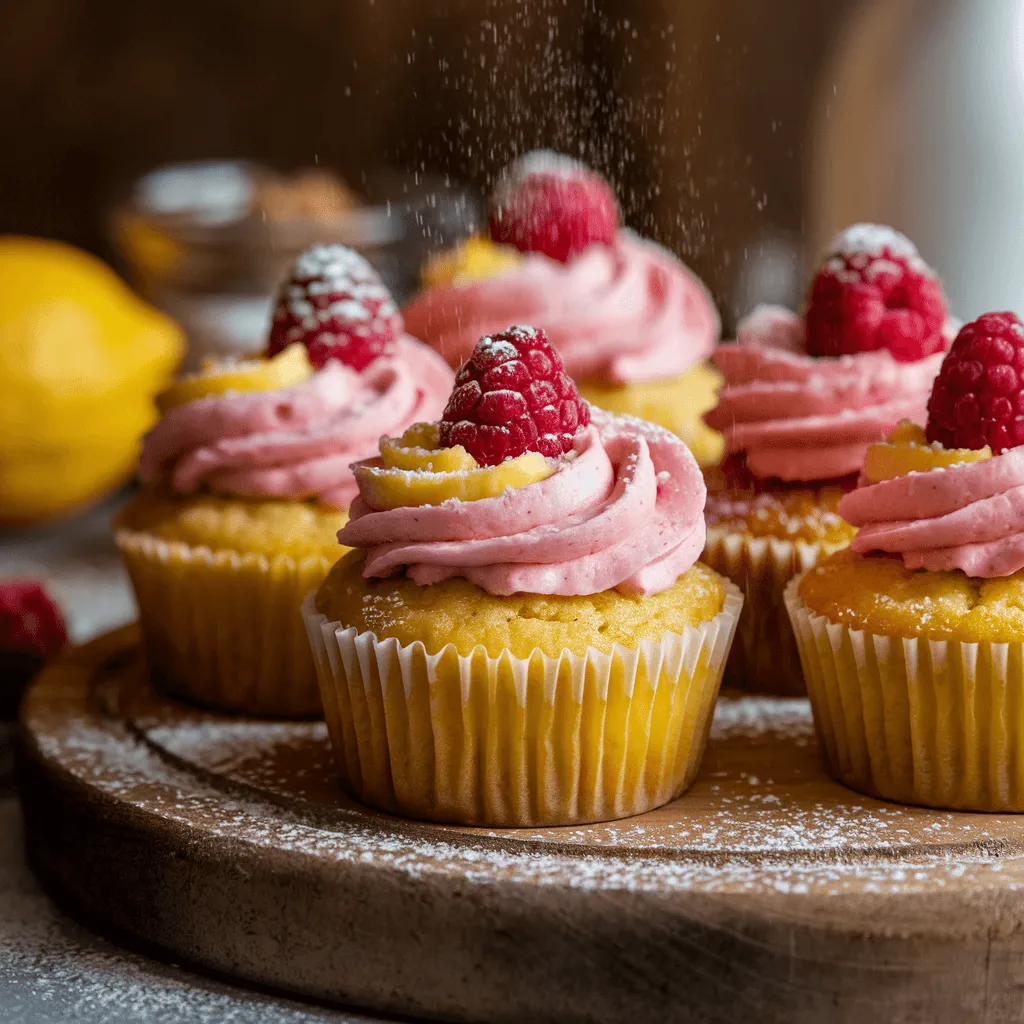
[81,358]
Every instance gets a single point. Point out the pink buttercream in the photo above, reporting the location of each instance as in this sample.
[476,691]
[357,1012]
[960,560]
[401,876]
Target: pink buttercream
[799,418]
[626,512]
[968,517]
[619,313]
[297,442]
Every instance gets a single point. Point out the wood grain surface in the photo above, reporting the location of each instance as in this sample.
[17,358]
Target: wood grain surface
[768,893]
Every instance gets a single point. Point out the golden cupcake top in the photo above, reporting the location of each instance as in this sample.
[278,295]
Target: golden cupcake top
[293,529]
[882,596]
[456,612]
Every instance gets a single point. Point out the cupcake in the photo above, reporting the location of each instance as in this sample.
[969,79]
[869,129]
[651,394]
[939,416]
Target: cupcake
[803,398]
[523,634]
[912,641]
[632,323]
[247,479]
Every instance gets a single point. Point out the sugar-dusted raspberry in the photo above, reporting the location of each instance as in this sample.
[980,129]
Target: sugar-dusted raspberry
[513,397]
[550,203]
[30,623]
[875,292]
[334,302]
[978,396]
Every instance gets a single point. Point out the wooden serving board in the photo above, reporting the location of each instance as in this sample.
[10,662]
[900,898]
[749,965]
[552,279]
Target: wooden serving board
[768,893]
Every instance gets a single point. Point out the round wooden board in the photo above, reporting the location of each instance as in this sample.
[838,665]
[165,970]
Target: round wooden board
[768,893]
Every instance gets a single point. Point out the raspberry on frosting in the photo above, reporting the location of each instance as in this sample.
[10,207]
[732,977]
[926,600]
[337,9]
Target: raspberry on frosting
[623,313]
[978,396]
[875,292]
[552,204]
[335,304]
[511,397]
[626,512]
[296,442]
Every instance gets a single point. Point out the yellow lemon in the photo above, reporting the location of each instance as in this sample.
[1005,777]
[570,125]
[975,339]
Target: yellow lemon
[80,359]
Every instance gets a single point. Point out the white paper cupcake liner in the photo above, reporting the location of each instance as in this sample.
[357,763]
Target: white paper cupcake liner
[224,628]
[506,741]
[764,657]
[936,723]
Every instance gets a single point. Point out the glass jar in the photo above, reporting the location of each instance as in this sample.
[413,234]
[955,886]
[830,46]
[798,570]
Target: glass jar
[208,242]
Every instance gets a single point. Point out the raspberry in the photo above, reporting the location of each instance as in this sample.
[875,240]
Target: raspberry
[552,204]
[875,292]
[30,622]
[978,396]
[513,397]
[335,304]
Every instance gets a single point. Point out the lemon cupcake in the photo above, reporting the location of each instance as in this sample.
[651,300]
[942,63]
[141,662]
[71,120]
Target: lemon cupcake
[247,480]
[803,398]
[632,323]
[912,642]
[523,635]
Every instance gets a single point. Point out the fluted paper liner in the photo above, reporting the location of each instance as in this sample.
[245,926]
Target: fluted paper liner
[931,722]
[506,741]
[224,628]
[764,657]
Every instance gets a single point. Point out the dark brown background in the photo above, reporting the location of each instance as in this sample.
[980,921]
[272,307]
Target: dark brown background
[696,108]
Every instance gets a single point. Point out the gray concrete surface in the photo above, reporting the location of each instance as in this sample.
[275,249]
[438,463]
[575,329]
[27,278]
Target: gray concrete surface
[52,970]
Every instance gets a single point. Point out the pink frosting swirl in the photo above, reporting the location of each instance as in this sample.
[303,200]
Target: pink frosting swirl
[626,512]
[799,418]
[297,442]
[618,313]
[968,517]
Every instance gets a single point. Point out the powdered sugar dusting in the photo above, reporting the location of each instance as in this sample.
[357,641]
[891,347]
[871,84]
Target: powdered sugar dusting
[761,817]
[332,286]
[334,266]
[872,240]
[652,432]
[495,350]
[539,161]
[862,248]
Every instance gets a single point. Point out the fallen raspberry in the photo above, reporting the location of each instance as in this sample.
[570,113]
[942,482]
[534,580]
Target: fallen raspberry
[30,623]
[552,204]
[978,396]
[335,304]
[513,397]
[875,292]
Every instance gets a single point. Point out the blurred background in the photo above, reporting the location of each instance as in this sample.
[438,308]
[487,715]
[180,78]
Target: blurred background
[197,145]
[699,110]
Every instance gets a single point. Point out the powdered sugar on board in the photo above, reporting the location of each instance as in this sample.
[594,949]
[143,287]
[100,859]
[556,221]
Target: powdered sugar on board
[761,818]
